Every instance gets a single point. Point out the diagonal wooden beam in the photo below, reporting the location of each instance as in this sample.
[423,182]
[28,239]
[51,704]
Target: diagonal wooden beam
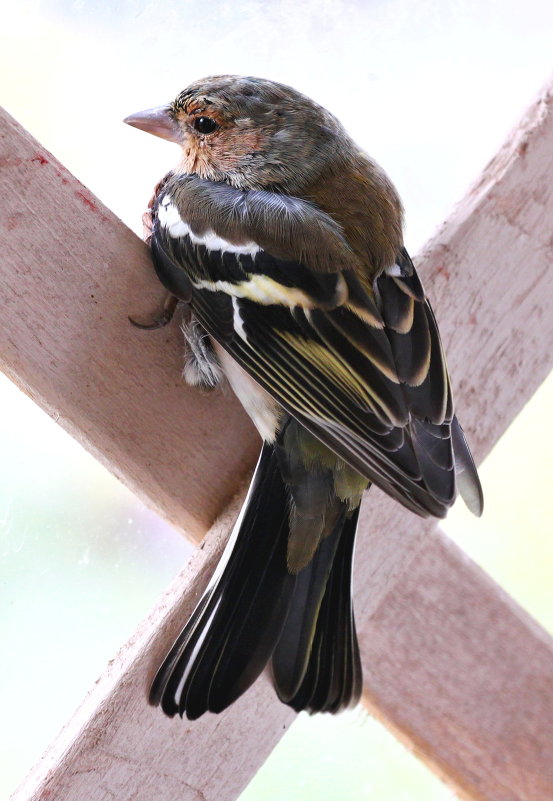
[116,746]
[71,274]
[464,677]
[441,643]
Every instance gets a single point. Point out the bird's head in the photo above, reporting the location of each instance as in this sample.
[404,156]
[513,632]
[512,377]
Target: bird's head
[249,132]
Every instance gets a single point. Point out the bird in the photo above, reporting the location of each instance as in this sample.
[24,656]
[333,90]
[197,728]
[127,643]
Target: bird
[282,240]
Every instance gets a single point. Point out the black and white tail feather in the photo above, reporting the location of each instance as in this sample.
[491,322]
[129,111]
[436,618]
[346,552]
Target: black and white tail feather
[255,608]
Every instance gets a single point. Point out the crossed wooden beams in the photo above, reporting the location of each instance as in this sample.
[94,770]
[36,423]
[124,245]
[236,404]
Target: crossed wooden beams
[451,663]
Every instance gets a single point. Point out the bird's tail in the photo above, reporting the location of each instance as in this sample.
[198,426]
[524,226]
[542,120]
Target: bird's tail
[255,608]
[316,664]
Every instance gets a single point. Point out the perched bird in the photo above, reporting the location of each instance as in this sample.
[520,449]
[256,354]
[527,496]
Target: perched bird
[285,241]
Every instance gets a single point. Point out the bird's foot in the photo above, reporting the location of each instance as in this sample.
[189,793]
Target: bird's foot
[160,318]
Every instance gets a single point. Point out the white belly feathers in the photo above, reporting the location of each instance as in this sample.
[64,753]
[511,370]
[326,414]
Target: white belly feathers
[261,407]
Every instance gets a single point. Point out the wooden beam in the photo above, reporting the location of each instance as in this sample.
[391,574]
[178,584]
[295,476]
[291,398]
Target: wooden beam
[452,664]
[486,271]
[71,272]
[464,677]
[116,746]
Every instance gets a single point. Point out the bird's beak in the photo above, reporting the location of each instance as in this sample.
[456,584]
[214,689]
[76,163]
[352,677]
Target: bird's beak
[156,121]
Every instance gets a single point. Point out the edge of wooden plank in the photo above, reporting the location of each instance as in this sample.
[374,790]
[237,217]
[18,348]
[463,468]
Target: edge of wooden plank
[494,252]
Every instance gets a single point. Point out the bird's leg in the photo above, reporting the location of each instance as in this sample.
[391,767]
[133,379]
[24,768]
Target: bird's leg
[201,365]
[162,317]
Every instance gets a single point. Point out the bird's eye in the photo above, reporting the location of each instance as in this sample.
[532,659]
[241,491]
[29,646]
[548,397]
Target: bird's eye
[205,125]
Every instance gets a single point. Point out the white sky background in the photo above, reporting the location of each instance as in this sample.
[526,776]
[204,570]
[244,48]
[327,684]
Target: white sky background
[430,88]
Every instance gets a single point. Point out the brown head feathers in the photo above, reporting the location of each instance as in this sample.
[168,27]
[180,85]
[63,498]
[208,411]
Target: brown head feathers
[256,134]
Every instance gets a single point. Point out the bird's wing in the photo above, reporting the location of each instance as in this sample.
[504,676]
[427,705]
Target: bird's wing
[361,366]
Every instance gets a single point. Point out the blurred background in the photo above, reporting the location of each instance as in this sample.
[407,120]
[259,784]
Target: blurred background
[430,88]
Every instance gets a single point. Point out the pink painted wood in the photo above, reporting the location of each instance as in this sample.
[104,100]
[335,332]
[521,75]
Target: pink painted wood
[71,273]
[451,664]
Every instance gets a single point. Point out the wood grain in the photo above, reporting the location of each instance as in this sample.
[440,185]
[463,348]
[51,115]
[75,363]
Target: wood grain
[464,676]
[451,664]
[71,273]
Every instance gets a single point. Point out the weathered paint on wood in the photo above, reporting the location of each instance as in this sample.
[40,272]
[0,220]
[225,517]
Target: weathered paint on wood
[71,273]
[464,677]
[451,664]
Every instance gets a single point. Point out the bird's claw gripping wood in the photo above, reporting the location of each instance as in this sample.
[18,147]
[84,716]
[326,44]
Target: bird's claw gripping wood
[161,318]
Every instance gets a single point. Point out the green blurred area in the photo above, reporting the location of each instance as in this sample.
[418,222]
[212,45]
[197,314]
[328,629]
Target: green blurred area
[513,540]
[350,757]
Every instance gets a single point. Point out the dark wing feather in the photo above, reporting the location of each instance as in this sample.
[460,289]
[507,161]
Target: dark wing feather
[360,366]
